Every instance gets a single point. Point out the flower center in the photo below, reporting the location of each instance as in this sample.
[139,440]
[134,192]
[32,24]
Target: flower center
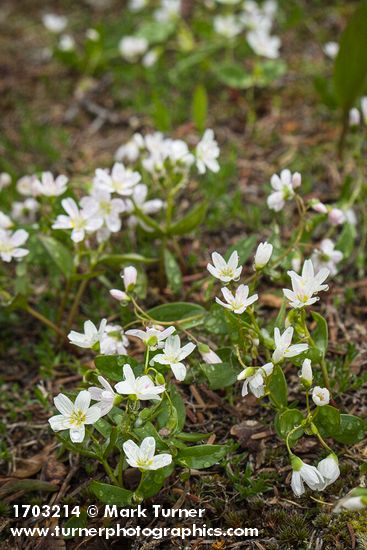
[77,417]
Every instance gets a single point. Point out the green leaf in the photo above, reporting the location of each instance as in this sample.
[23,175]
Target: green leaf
[156,31]
[200,107]
[189,222]
[278,388]
[220,375]
[350,67]
[76,522]
[346,240]
[152,482]
[178,311]
[162,119]
[110,494]
[320,334]
[59,254]
[352,430]
[244,247]
[215,321]
[234,75]
[118,260]
[327,420]
[174,420]
[285,422]
[173,272]
[111,365]
[201,456]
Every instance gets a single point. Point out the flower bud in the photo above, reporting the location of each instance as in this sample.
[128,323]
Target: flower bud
[296,180]
[129,275]
[159,379]
[119,295]
[336,216]
[354,117]
[306,374]
[5,180]
[318,206]
[208,355]
[263,255]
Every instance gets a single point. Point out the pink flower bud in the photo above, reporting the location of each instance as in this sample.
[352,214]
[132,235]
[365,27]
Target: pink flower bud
[119,295]
[296,180]
[320,207]
[336,216]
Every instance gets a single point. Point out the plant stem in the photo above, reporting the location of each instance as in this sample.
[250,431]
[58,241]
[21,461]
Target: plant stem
[77,299]
[37,315]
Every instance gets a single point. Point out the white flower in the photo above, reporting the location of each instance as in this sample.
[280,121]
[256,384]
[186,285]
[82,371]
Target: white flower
[142,387]
[105,207]
[137,5]
[327,256]
[168,11]
[208,355]
[152,337]
[306,285]
[132,47]
[254,379]
[173,356]
[139,201]
[74,416]
[354,117]
[263,254]
[26,186]
[331,49]
[228,26]
[5,180]
[350,216]
[306,373]
[320,396]
[10,244]
[66,43]
[130,150]
[353,501]
[329,469]
[283,348]
[54,23]
[207,152]
[150,58]
[121,180]
[5,221]
[105,395]
[225,271]
[129,276]
[80,221]
[143,457]
[303,472]
[26,211]
[113,341]
[336,216]
[263,44]
[92,34]
[283,186]
[50,186]
[238,302]
[91,335]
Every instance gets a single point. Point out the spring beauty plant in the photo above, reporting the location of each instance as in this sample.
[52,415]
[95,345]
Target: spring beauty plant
[165,43]
[117,233]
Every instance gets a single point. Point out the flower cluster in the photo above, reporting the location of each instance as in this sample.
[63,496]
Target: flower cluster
[256,20]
